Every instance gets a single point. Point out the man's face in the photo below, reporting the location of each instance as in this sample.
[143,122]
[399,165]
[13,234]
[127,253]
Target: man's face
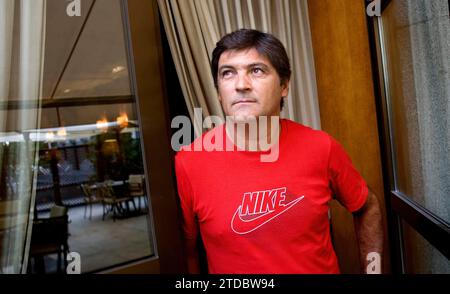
[248,85]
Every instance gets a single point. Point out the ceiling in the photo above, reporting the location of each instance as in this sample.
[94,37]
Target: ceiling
[98,64]
[85,57]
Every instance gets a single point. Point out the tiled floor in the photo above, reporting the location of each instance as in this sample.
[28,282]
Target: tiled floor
[105,243]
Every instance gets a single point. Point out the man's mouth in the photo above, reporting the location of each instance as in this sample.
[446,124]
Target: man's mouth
[244,101]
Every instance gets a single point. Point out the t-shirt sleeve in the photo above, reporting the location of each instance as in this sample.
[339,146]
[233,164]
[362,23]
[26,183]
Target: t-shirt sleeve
[185,192]
[347,184]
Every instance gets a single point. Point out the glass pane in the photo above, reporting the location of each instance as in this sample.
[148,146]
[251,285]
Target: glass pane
[416,38]
[421,256]
[90,189]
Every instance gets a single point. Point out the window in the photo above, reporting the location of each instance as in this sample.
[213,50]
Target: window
[416,35]
[420,256]
[414,61]
[70,137]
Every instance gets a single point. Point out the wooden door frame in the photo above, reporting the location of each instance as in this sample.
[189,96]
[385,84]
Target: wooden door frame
[143,38]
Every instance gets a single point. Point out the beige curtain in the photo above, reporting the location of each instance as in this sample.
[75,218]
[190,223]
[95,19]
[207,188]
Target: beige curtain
[194,26]
[22,28]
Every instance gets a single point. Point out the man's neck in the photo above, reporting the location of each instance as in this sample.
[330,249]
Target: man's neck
[258,134]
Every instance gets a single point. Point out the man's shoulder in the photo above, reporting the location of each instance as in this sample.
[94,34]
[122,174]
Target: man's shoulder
[303,132]
[197,148]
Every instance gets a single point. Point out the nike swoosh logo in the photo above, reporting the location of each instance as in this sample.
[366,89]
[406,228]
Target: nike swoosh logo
[241,226]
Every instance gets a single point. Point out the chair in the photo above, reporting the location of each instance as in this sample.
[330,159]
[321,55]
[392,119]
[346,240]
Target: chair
[136,188]
[49,236]
[57,210]
[90,198]
[111,201]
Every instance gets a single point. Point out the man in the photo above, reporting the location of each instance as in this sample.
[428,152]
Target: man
[267,217]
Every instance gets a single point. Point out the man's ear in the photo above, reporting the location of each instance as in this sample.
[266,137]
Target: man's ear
[285,88]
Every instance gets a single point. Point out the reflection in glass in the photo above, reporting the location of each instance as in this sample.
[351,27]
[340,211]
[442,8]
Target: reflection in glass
[70,147]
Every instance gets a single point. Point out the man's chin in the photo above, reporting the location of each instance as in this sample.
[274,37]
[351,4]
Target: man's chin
[243,118]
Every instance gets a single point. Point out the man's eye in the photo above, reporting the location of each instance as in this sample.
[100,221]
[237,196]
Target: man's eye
[226,73]
[257,70]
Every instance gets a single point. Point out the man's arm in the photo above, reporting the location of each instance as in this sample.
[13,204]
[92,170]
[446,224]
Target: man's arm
[190,224]
[369,232]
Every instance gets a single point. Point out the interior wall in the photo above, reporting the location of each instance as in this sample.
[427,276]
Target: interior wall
[347,107]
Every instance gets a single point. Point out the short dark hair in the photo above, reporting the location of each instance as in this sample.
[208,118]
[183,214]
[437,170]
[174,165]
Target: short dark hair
[266,44]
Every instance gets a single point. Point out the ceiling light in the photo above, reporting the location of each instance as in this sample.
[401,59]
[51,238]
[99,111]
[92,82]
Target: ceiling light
[118,69]
[62,132]
[49,136]
[102,124]
[122,120]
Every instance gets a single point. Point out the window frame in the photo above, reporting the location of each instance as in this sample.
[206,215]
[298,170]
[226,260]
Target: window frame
[398,205]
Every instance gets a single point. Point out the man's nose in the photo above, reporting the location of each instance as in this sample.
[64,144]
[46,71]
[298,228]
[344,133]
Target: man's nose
[243,82]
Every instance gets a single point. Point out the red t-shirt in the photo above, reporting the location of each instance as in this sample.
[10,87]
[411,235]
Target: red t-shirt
[268,217]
